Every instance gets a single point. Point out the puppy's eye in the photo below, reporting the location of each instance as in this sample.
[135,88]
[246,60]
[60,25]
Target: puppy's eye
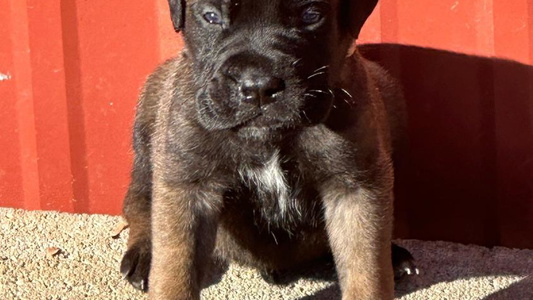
[311,15]
[213,18]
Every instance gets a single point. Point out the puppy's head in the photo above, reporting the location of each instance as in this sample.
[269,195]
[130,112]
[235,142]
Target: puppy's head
[267,65]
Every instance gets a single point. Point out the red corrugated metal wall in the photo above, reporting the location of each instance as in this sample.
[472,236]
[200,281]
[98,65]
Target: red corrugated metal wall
[70,72]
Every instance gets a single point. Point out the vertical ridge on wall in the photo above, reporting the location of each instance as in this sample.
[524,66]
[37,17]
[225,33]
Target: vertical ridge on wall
[514,115]
[530,29]
[8,162]
[76,116]
[488,153]
[29,184]
[479,130]
[118,48]
[484,27]
[50,104]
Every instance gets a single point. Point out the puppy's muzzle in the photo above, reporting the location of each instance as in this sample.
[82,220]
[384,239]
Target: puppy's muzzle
[248,80]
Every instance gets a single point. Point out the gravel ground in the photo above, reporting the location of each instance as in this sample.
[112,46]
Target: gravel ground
[49,255]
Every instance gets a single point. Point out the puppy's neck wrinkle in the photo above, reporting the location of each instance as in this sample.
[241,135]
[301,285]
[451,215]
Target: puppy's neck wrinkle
[262,149]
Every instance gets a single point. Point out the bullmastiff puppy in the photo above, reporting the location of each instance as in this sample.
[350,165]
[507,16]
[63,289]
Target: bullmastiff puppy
[267,142]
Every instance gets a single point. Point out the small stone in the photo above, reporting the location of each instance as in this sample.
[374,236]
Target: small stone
[52,251]
[119,228]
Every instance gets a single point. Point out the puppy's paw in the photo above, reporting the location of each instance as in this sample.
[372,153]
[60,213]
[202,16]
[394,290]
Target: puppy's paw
[135,265]
[403,262]
[273,277]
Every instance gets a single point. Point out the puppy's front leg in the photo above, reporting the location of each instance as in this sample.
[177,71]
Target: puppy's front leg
[184,230]
[359,227]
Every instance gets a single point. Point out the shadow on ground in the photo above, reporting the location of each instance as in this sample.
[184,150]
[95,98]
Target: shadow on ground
[453,270]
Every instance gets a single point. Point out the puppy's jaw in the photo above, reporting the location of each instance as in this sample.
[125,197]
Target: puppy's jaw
[259,134]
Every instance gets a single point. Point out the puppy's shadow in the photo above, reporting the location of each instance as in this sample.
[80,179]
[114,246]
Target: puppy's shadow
[454,264]
[327,273]
[519,290]
[438,262]
[320,270]
[324,270]
[330,293]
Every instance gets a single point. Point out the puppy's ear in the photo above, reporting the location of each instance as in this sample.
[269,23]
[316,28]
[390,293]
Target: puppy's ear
[354,14]
[177,13]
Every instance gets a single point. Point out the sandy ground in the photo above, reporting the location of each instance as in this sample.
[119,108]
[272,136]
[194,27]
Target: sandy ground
[87,260]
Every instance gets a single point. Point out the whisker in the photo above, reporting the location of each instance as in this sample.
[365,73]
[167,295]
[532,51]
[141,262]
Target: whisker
[347,93]
[311,95]
[296,62]
[319,91]
[316,74]
[321,68]
[305,115]
[275,239]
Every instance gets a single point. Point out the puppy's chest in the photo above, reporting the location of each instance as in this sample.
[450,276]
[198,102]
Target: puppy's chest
[278,189]
[269,179]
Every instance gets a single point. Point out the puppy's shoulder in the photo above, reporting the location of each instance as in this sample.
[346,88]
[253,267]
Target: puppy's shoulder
[160,87]
[386,83]
[392,95]
[166,78]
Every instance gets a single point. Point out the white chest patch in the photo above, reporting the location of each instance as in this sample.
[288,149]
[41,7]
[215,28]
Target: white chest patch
[270,181]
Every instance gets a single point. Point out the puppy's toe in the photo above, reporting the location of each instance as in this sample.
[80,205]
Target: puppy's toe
[274,277]
[403,262]
[135,266]
[406,268]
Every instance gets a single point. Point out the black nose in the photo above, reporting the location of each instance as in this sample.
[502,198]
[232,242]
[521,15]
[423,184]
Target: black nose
[260,90]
